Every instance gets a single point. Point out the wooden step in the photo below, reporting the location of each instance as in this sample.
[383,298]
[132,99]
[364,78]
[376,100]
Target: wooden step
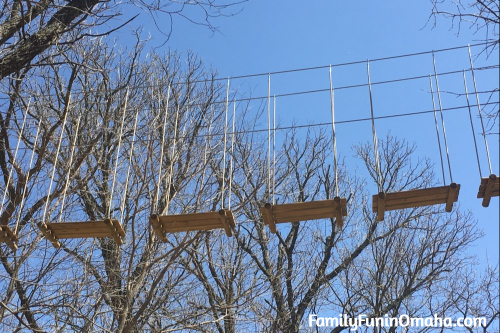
[304,211]
[8,237]
[88,229]
[223,219]
[383,202]
[488,188]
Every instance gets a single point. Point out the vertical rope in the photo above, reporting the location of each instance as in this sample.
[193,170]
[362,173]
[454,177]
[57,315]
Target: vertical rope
[472,126]
[224,149]
[66,184]
[375,141]
[274,150]
[117,155]
[479,110]
[231,157]
[442,117]
[21,206]
[437,130]
[122,208]
[155,200]
[334,139]
[66,111]
[172,158]
[14,159]
[269,137]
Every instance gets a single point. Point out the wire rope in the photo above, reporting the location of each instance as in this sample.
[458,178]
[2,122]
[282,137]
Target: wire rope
[479,110]
[231,157]
[472,127]
[334,137]
[442,117]
[374,132]
[437,130]
[157,192]
[66,183]
[122,208]
[224,148]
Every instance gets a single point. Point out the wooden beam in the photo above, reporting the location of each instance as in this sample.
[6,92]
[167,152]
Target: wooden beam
[225,222]
[154,220]
[114,232]
[268,217]
[338,212]
[8,237]
[381,205]
[488,192]
[48,234]
[452,196]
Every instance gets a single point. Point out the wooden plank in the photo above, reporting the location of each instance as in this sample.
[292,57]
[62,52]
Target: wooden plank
[157,228]
[216,223]
[64,225]
[268,217]
[339,212]
[48,234]
[302,206]
[118,227]
[327,212]
[491,185]
[8,237]
[188,217]
[380,206]
[453,192]
[299,218]
[225,222]
[230,216]
[114,233]
[192,228]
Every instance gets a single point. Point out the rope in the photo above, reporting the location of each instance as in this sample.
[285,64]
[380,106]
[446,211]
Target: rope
[167,196]
[55,160]
[21,206]
[117,155]
[122,208]
[269,138]
[231,158]
[442,117]
[274,150]
[375,141]
[14,159]
[479,110]
[155,202]
[334,134]
[66,184]
[224,149]
[437,130]
[472,127]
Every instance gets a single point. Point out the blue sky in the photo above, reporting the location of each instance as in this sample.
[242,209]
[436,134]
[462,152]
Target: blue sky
[270,36]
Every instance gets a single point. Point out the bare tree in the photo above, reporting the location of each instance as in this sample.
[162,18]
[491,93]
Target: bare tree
[28,28]
[481,16]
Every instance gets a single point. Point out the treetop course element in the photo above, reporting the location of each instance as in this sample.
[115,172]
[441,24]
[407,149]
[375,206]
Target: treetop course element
[272,213]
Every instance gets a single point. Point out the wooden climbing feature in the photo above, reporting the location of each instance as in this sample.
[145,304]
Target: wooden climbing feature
[8,237]
[490,187]
[223,219]
[88,229]
[384,202]
[303,211]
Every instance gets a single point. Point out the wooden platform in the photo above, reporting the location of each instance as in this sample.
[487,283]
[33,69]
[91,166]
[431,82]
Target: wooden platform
[303,211]
[89,229]
[383,202]
[223,219]
[8,237]
[489,188]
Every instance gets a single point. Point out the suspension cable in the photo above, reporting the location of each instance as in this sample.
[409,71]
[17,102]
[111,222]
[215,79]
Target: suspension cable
[269,138]
[122,208]
[28,174]
[375,141]
[274,149]
[231,157]
[155,200]
[479,110]
[224,149]
[334,139]
[117,155]
[172,158]
[442,117]
[66,111]
[472,127]
[14,159]
[437,130]
[66,184]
